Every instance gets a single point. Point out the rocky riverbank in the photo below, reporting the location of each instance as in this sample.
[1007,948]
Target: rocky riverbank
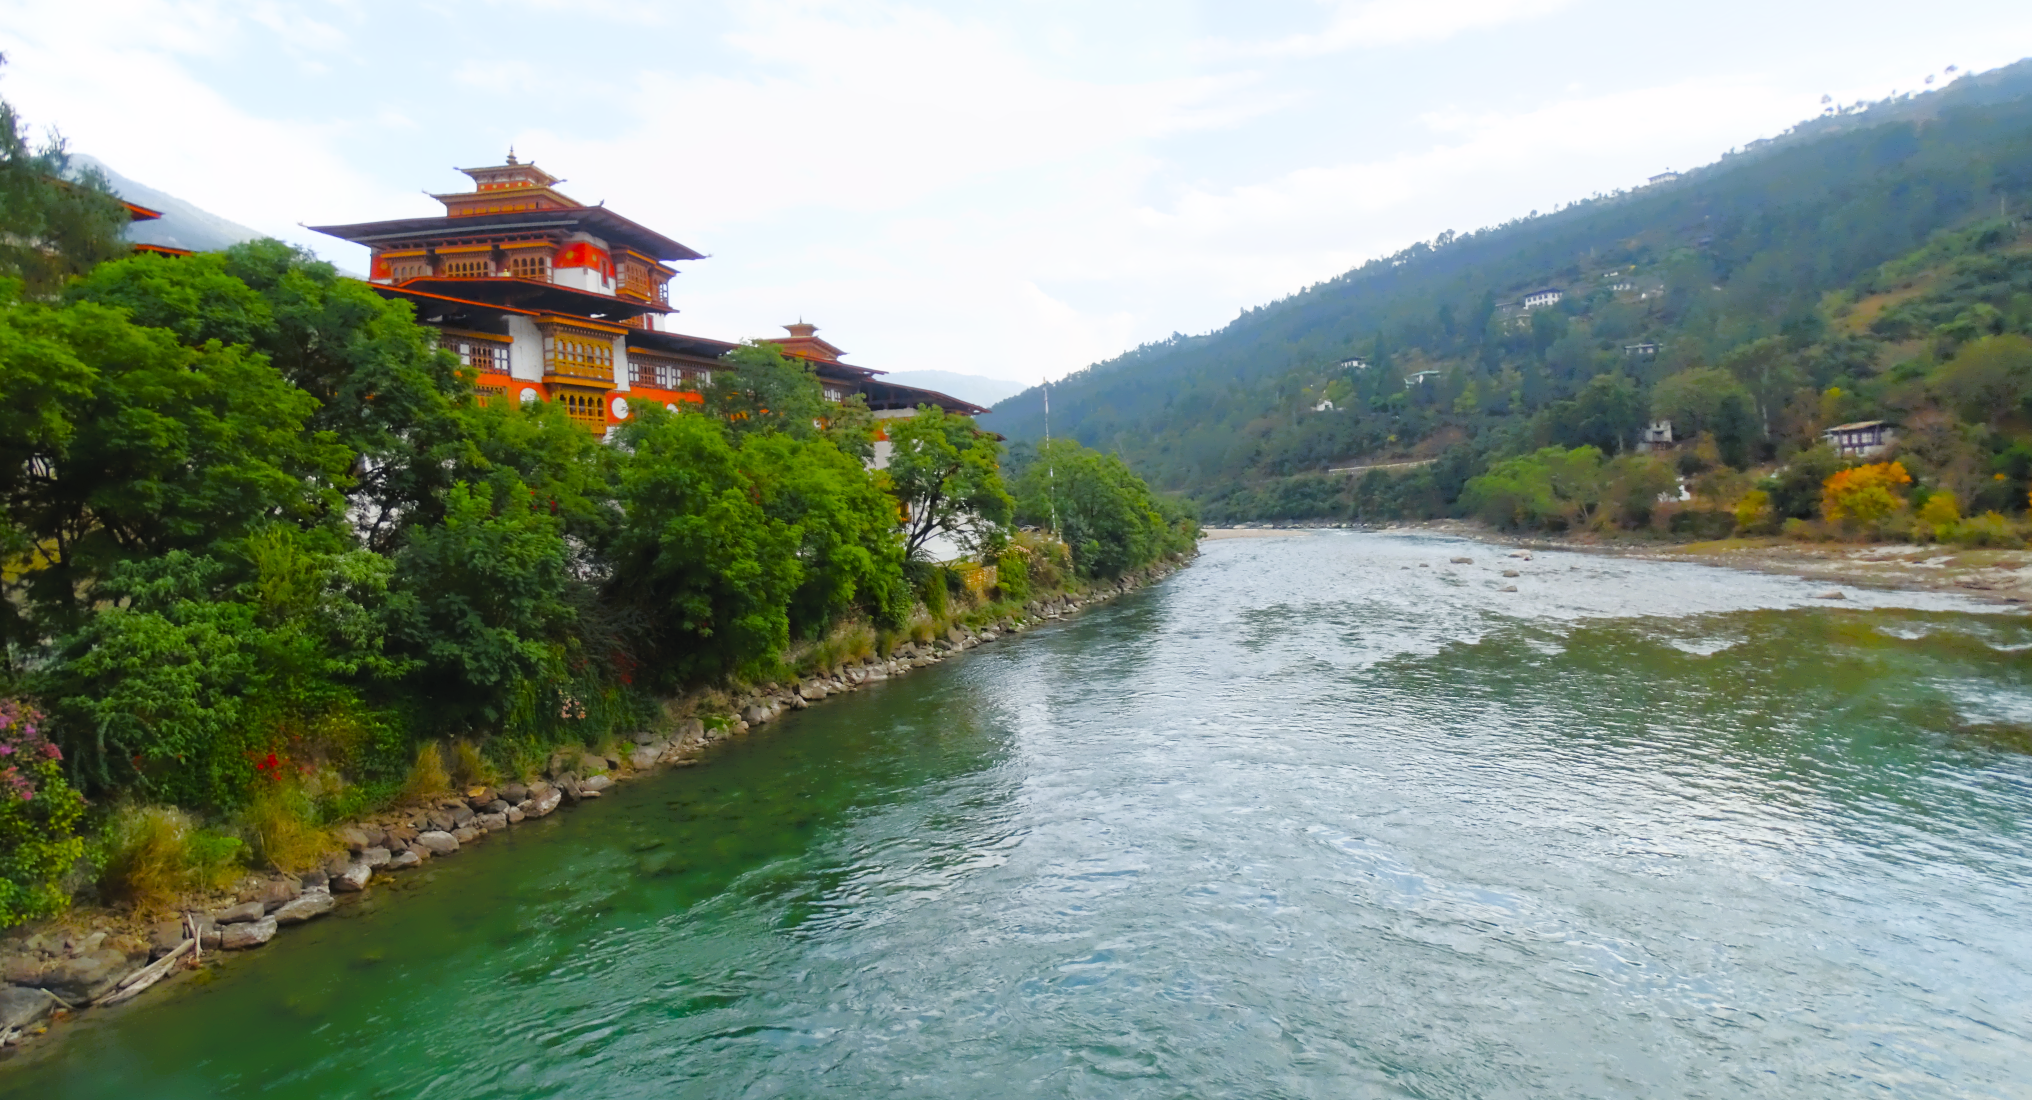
[51,974]
[1996,575]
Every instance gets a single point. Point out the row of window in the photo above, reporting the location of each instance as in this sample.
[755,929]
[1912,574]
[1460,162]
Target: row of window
[668,376]
[473,267]
[478,354]
[582,356]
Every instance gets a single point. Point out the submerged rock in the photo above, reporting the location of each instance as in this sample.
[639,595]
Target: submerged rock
[1830,594]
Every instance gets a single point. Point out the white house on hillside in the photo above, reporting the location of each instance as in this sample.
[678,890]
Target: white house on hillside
[1538,299]
[1862,438]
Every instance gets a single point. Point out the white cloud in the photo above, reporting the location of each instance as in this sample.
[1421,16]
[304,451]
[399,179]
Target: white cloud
[1373,23]
[137,102]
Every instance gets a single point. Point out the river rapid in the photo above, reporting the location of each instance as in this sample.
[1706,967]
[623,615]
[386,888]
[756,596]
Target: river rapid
[1320,816]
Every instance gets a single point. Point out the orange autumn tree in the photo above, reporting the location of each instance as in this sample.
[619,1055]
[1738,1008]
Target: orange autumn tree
[1865,494]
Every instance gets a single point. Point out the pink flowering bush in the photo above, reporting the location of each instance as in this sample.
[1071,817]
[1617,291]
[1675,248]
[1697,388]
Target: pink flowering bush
[38,817]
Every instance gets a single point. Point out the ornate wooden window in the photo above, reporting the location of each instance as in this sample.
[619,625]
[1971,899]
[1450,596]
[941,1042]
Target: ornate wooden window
[468,267]
[399,270]
[530,267]
[585,408]
[575,353]
[481,355]
[493,395]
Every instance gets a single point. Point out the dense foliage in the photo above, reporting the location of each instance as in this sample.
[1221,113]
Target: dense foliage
[1856,268]
[263,550]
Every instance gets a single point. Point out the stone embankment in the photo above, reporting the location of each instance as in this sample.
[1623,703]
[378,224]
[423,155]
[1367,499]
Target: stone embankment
[53,974]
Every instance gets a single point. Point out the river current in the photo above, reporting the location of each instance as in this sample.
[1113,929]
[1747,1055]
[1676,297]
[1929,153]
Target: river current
[1320,816]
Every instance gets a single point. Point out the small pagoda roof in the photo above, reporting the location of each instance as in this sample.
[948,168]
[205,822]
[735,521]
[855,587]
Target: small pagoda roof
[139,213]
[536,295]
[597,220]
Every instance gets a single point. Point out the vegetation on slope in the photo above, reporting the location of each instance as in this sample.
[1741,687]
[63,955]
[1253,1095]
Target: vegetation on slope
[1828,276]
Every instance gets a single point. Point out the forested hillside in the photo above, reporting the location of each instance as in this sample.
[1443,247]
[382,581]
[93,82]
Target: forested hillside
[1823,275]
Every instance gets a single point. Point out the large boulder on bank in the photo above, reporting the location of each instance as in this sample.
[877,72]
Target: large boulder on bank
[89,975]
[164,936]
[241,913]
[595,784]
[272,893]
[462,814]
[513,793]
[493,823]
[542,802]
[308,906]
[353,879]
[21,1006]
[404,860]
[239,937]
[466,834]
[376,857]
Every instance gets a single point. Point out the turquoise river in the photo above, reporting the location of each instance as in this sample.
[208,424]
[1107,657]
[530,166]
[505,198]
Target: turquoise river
[1327,815]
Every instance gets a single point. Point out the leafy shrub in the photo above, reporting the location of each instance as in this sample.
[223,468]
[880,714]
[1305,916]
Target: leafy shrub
[1012,574]
[156,855]
[38,815]
[1991,529]
[1702,523]
[1865,494]
[1940,515]
[1754,514]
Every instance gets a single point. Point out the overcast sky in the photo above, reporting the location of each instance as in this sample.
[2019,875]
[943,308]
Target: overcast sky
[1013,190]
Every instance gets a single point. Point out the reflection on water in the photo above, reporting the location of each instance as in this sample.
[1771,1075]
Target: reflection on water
[1324,816]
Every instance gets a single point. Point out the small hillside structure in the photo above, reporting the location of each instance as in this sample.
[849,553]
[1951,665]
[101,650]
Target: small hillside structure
[1656,435]
[1539,299]
[1421,378]
[1357,363]
[1645,350]
[1861,439]
[1667,176]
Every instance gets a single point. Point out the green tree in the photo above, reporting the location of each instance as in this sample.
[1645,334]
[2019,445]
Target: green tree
[135,445]
[379,385]
[1989,381]
[54,223]
[944,472]
[1105,513]
[479,603]
[849,550]
[712,570]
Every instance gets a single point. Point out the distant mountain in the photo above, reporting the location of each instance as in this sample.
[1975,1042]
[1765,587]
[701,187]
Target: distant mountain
[1433,351]
[181,225]
[966,387]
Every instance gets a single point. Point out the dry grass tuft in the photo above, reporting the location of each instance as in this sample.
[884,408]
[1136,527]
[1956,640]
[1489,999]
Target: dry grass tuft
[283,821]
[471,768]
[427,778]
[158,854]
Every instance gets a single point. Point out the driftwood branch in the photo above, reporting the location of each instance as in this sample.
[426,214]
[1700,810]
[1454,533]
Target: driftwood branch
[148,975]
